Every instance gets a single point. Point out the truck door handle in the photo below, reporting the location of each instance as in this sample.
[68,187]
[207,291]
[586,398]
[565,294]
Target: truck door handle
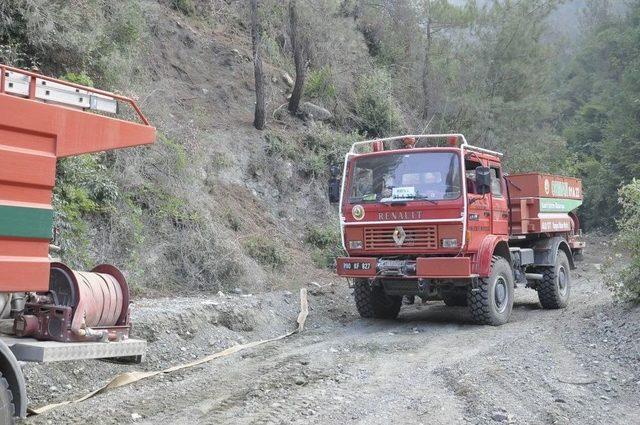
[487,213]
[505,215]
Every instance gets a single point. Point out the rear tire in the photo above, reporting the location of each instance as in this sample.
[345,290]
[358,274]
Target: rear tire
[454,298]
[555,287]
[373,303]
[492,301]
[7,408]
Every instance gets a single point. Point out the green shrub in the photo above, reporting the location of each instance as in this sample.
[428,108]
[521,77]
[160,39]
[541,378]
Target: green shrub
[265,251]
[322,237]
[13,54]
[278,146]
[319,84]
[377,114]
[78,78]
[327,245]
[333,144]
[273,51]
[390,53]
[164,205]
[314,165]
[325,148]
[128,23]
[175,150]
[626,285]
[85,187]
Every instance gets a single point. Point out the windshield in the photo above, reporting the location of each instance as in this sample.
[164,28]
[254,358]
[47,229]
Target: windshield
[406,176]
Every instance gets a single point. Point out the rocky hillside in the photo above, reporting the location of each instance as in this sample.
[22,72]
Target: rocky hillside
[214,204]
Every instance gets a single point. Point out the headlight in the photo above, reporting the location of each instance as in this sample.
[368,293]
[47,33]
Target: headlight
[449,243]
[355,244]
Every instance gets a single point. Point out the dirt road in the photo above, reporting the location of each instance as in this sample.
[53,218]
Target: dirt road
[432,366]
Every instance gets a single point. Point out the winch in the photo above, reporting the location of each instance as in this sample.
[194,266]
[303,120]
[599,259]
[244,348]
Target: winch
[79,306]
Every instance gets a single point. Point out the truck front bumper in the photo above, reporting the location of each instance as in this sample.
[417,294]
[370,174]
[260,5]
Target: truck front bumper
[421,268]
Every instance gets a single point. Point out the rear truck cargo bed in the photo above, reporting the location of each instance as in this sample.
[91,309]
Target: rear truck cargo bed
[543,203]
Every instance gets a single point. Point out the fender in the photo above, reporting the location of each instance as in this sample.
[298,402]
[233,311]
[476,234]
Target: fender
[12,372]
[545,251]
[491,245]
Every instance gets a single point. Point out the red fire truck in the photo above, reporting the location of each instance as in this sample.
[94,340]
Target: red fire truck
[49,312]
[447,223]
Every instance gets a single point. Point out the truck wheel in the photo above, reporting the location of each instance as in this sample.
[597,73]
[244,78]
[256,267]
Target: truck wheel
[6,403]
[454,298]
[373,302]
[492,301]
[554,288]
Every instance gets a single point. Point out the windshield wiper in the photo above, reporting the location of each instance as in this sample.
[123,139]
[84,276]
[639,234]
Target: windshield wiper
[410,198]
[364,198]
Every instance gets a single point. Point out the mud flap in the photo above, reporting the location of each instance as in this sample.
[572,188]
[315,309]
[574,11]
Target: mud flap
[545,252]
[475,284]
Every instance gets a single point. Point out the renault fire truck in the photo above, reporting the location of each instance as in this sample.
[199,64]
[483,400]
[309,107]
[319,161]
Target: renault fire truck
[447,223]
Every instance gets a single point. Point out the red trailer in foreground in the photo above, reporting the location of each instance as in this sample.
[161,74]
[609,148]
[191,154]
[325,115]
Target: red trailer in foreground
[71,315]
[447,223]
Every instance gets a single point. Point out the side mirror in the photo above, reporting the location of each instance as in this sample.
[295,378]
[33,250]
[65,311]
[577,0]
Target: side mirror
[334,190]
[334,184]
[335,171]
[483,180]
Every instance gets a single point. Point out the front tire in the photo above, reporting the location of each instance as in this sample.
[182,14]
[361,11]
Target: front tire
[7,408]
[555,287]
[373,303]
[492,301]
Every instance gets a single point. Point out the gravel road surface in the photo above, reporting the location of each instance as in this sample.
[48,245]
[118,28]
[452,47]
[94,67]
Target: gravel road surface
[580,365]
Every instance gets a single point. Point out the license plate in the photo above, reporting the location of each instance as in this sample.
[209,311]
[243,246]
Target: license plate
[356,265]
[394,264]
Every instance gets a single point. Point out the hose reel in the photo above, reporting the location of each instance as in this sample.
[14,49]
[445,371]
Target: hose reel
[79,306]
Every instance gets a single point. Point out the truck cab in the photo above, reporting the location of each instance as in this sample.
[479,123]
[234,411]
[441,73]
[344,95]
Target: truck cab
[438,222]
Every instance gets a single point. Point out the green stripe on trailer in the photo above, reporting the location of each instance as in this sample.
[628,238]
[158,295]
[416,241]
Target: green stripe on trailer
[25,222]
[559,204]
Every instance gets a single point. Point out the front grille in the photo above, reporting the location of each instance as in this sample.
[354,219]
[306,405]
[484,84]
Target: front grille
[416,236]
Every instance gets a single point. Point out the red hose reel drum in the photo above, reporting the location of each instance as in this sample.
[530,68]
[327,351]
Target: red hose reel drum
[102,294]
[80,306]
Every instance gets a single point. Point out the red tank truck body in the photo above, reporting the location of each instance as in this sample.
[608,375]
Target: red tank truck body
[72,315]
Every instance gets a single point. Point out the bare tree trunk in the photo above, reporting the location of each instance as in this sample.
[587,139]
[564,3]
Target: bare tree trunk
[260,115]
[298,57]
[426,84]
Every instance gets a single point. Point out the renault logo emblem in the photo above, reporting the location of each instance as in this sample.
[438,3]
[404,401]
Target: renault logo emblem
[399,235]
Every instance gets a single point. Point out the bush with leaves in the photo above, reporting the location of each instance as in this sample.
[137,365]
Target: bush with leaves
[377,114]
[327,245]
[265,251]
[320,84]
[102,37]
[626,284]
[85,186]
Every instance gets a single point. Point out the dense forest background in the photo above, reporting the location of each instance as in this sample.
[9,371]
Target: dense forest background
[216,204]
